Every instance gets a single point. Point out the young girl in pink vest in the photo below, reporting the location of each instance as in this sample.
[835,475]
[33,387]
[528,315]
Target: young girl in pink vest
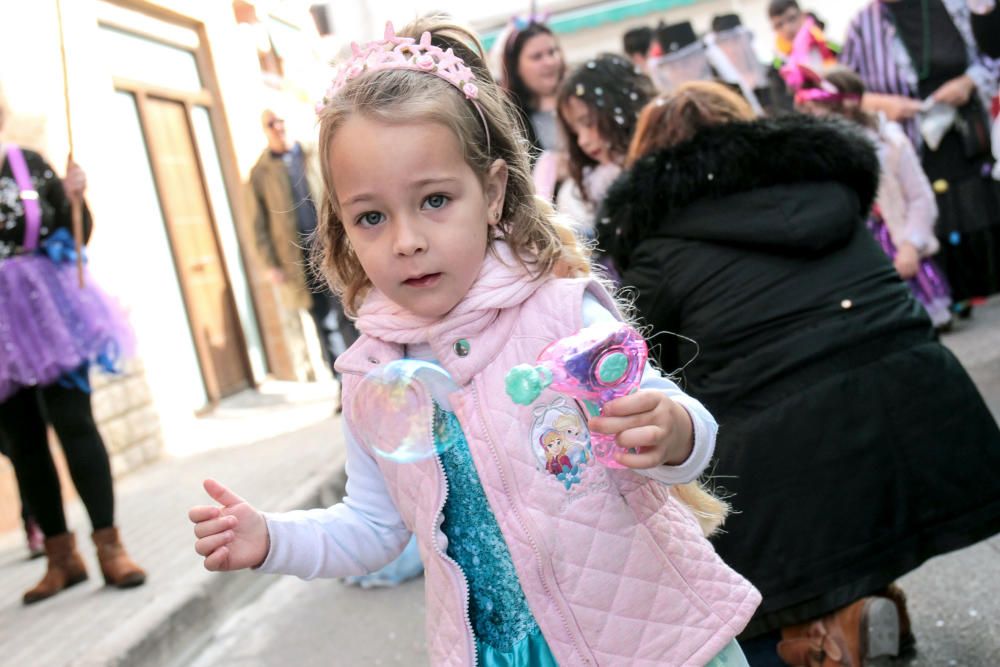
[434,239]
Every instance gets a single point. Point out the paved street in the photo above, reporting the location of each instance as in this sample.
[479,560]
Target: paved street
[323,623]
[954,607]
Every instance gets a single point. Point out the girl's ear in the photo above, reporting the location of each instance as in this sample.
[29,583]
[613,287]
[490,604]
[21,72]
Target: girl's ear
[496,190]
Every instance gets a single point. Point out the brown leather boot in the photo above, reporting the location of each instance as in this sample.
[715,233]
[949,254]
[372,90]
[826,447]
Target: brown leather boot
[118,569]
[907,640]
[867,628]
[65,568]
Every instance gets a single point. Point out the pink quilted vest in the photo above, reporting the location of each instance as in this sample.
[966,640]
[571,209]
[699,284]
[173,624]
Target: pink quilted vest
[614,567]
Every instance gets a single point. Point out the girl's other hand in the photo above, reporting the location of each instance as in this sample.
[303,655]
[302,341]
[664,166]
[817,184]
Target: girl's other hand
[907,261]
[955,92]
[231,537]
[658,430]
[75,181]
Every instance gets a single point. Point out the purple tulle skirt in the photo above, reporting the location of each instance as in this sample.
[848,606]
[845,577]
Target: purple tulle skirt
[929,285]
[49,326]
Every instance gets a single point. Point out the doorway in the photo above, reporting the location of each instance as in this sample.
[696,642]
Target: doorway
[160,72]
[207,293]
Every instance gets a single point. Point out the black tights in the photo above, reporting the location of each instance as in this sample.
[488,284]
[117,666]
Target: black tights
[23,419]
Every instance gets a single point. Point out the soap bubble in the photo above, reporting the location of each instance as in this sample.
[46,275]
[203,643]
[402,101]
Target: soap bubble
[394,409]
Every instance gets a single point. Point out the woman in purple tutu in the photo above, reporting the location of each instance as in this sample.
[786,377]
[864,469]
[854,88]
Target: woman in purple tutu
[51,331]
[905,211]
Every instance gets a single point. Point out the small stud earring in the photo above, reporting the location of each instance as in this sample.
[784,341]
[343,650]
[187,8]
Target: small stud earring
[496,215]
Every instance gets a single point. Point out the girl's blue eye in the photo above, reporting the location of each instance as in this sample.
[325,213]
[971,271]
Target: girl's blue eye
[370,219]
[436,201]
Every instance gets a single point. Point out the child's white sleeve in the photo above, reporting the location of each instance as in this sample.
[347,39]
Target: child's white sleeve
[704,425]
[354,537]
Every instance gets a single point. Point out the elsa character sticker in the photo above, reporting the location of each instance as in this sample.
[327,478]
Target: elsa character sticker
[561,441]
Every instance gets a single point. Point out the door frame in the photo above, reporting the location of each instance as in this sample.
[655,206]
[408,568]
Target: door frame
[141,93]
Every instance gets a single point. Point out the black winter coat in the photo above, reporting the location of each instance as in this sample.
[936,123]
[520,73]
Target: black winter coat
[853,444]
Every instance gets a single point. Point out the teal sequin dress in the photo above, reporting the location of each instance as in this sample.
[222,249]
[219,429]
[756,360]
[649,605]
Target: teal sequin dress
[506,632]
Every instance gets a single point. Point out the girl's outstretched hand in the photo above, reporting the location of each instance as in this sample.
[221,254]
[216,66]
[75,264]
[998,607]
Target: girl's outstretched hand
[231,537]
[656,428]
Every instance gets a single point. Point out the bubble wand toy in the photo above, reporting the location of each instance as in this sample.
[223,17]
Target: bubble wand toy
[593,366]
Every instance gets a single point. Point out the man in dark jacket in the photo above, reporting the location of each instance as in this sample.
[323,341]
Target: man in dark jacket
[854,446]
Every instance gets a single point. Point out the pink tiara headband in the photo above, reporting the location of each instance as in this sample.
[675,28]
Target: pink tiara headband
[394,53]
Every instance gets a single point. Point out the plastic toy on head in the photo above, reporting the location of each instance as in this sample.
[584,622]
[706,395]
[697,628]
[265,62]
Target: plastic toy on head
[594,366]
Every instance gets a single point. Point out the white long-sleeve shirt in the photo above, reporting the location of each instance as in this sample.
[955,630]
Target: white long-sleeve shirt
[365,531]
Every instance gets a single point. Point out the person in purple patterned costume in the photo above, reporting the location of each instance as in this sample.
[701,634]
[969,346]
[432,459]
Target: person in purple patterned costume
[51,331]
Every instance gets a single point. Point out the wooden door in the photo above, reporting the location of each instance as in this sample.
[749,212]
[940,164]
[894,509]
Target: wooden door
[204,283]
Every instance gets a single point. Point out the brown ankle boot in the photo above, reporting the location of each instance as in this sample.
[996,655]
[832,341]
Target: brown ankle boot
[907,640]
[118,569]
[65,568]
[867,628]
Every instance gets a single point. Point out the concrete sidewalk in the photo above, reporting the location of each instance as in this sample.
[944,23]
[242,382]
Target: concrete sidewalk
[299,465]
[976,343]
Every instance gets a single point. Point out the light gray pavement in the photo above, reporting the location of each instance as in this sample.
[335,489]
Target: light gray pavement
[186,616]
[953,602]
[955,607]
[155,624]
[323,623]
[976,343]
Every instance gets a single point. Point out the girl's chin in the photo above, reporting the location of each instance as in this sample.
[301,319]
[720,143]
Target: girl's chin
[431,310]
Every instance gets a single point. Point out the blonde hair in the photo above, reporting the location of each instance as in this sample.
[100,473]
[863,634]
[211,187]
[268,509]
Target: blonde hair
[527,222]
[709,509]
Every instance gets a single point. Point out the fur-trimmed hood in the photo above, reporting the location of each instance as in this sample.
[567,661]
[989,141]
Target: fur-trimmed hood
[707,187]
